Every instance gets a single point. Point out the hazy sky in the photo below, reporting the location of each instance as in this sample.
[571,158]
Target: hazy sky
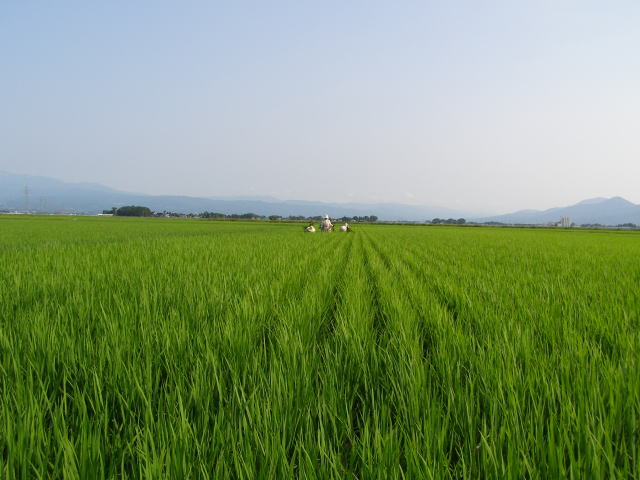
[477,105]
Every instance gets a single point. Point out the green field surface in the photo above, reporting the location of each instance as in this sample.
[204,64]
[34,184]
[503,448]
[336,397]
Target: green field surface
[160,348]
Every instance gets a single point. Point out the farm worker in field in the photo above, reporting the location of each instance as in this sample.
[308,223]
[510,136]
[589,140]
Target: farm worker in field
[310,229]
[345,228]
[326,224]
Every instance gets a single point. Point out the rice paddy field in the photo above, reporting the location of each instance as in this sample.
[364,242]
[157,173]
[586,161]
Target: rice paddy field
[158,348]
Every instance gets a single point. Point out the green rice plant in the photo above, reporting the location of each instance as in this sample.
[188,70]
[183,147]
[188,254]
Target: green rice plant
[164,348]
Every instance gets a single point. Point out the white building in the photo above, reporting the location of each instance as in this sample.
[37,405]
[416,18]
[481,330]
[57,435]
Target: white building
[565,222]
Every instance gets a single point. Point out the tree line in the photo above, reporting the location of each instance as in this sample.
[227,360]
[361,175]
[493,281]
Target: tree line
[448,221]
[139,211]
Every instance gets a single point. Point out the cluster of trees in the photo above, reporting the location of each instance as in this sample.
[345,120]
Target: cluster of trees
[448,221]
[211,215]
[246,216]
[599,225]
[364,219]
[166,214]
[129,211]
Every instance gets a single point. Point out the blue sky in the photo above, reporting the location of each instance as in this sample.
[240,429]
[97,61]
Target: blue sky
[490,106]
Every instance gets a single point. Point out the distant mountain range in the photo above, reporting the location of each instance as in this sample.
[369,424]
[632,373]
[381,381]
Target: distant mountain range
[44,194]
[49,195]
[605,211]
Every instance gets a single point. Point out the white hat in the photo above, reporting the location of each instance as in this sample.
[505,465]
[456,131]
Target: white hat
[326,216]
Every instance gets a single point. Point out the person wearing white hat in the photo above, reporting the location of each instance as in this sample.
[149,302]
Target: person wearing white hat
[326,224]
